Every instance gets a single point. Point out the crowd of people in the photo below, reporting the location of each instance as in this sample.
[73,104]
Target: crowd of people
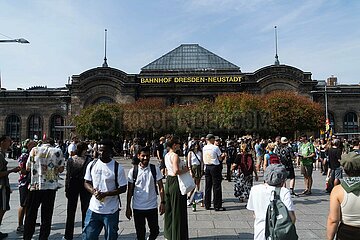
[97,179]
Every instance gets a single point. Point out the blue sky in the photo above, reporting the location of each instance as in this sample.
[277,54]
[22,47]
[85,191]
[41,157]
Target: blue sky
[67,37]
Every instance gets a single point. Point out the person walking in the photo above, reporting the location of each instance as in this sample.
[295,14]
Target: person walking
[260,195]
[105,179]
[142,189]
[175,219]
[45,164]
[212,158]
[74,187]
[344,214]
[24,180]
[244,176]
[5,142]
[306,153]
[195,164]
[334,155]
[286,154]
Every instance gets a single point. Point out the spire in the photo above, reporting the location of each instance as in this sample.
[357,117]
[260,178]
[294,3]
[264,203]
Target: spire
[105,59]
[277,62]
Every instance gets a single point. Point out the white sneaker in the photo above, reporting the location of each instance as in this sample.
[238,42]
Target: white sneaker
[188,202]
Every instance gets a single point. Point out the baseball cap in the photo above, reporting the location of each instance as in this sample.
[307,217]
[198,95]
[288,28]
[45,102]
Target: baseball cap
[210,136]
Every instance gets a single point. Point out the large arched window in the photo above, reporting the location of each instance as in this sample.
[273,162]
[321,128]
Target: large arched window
[35,127]
[103,99]
[351,123]
[13,127]
[56,132]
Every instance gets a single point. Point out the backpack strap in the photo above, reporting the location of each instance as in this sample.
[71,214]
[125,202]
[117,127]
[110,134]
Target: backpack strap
[135,173]
[153,172]
[116,169]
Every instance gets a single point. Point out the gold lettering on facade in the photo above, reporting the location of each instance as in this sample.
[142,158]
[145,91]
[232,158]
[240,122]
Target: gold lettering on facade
[191,79]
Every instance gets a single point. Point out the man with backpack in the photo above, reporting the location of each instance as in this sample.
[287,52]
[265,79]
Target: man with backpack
[270,196]
[105,179]
[286,154]
[143,183]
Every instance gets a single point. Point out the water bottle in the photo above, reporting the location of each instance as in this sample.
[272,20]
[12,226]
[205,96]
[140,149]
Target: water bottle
[194,206]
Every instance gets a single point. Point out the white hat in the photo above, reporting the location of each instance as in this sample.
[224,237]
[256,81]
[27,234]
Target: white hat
[284,140]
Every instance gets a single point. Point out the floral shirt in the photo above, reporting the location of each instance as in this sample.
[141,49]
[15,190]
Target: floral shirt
[23,179]
[44,163]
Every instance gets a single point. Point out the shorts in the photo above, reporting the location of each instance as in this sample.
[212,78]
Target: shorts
[336,173]
[23,192]
[196,171]
[306,170]
[5,198]
[291,172]
[259,160]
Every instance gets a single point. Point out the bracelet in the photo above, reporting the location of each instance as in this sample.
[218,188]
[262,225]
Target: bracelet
[162,202]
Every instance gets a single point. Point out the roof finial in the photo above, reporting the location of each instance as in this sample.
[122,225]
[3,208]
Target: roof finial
[105,59]
[277,62]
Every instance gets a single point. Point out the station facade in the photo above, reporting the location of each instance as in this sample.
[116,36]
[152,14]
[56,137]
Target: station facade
[185,75]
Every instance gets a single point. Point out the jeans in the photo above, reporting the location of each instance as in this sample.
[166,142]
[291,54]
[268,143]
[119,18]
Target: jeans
[152,218]
[94,222]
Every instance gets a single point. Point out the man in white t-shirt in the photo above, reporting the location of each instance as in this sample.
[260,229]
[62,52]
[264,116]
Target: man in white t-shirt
[275,176]
[72,147]
[212,158]
[144,195]
[102,183]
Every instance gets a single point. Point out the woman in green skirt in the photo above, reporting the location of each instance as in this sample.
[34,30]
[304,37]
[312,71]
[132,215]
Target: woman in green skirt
[175,220]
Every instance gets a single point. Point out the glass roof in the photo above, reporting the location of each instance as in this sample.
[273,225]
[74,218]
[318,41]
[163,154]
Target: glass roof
[190,57]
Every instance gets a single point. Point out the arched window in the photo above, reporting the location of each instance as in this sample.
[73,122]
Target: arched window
[351,123]
[103,99]
[13,127]
[332,121]
[57,133]
[35,127]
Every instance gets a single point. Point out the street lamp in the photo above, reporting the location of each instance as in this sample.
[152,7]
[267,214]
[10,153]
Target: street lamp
[19,40]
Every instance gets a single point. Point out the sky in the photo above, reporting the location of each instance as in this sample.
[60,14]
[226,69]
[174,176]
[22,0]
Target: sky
[67,37]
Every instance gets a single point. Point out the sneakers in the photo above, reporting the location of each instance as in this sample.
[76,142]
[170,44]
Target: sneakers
[20,229]
[188,202]
[220,209]
[293,194]
[3,235]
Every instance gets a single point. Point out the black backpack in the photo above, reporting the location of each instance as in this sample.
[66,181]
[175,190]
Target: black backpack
[278,224]
[153,172]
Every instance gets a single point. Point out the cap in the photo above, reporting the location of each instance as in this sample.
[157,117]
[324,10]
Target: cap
[284,140]
[350,161]
[217,138]
[210,136]
[275,174]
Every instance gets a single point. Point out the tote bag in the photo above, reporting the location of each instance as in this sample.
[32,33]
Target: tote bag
[186,183]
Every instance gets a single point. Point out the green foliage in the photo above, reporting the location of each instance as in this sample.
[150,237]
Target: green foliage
[275,113]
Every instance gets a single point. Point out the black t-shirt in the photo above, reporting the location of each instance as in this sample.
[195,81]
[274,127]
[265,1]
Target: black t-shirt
[160,148]
[334,155]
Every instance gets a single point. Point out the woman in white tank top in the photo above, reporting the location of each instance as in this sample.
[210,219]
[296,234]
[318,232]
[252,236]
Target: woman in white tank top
[175,219]
[345,202]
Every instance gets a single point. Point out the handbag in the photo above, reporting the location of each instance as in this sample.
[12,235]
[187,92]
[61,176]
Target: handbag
[186,183]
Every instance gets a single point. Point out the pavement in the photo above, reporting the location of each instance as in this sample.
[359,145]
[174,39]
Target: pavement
[234,223]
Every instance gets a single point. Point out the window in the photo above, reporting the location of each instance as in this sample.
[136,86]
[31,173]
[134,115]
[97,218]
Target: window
[351,123]
[35,127]
[57,133]
[13,127]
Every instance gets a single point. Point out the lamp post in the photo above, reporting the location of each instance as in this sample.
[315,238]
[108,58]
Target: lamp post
[327,120]
[18,40]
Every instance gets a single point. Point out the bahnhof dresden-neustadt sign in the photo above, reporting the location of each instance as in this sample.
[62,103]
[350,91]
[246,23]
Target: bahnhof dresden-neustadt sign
[191,79]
